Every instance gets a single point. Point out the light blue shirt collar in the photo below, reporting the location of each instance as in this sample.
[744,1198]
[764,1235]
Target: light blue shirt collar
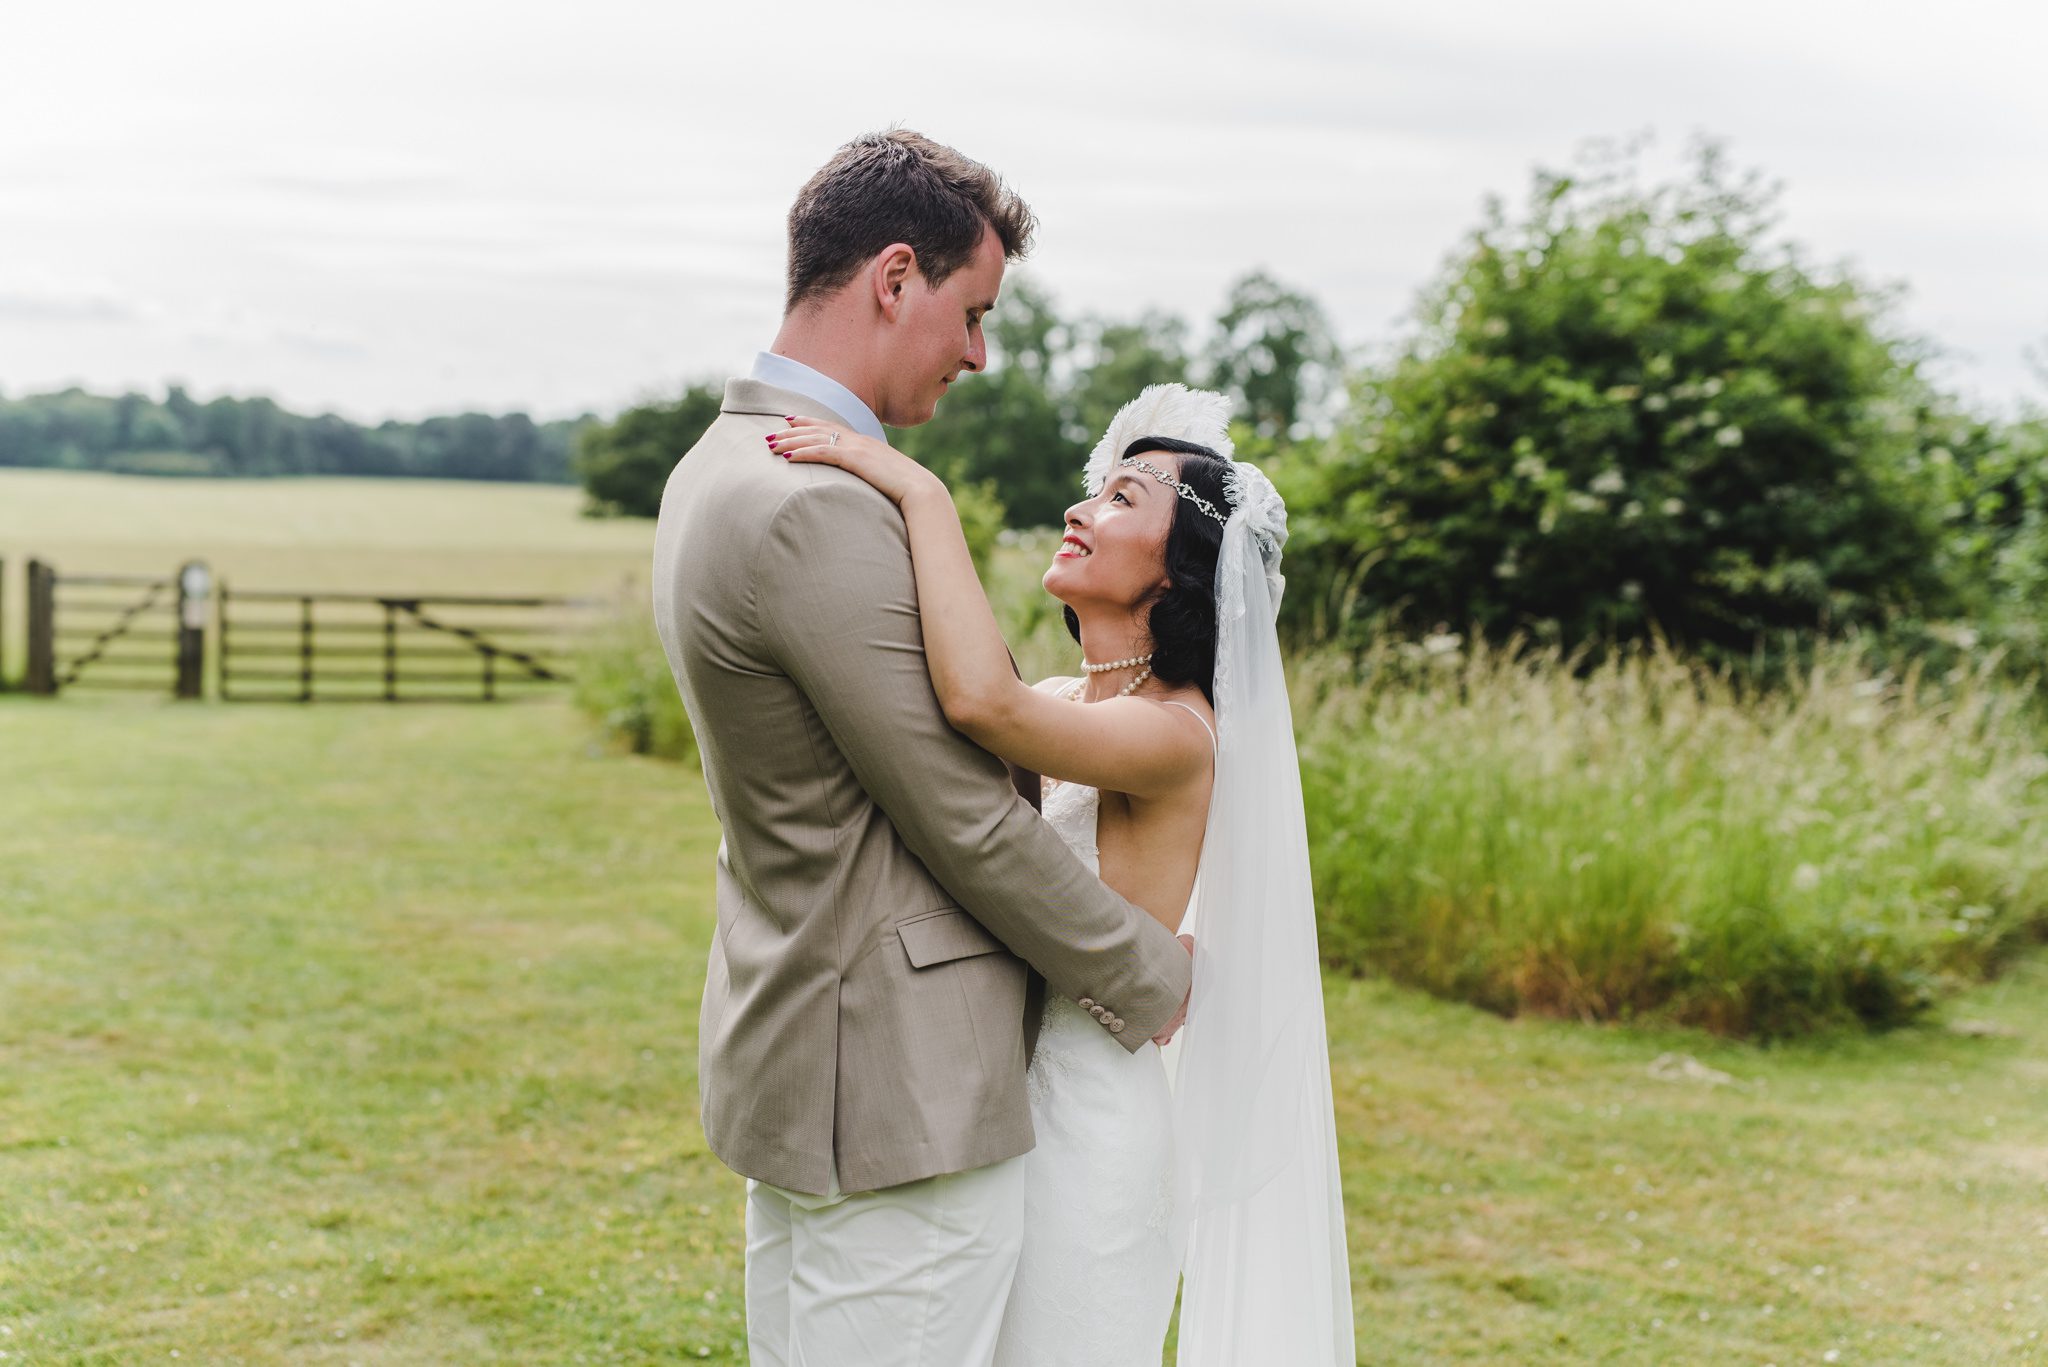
[799,378]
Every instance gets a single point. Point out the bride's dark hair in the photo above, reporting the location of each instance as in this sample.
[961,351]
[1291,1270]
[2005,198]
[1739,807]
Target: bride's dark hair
[1182,622]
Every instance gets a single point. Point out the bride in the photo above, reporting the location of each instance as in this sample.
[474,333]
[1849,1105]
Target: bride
[1170,769]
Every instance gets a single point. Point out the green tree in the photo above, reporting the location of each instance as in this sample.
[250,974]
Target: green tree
[1626,410]
[256,437]
[1273,351]
[625,464]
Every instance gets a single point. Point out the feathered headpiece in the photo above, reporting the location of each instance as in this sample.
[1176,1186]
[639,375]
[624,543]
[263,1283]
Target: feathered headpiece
[1201,416]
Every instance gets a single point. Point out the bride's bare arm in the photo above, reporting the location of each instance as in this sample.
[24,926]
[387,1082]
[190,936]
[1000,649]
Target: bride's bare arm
[1126,745]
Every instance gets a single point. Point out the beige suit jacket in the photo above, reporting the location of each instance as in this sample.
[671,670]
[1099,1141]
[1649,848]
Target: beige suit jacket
[881,886]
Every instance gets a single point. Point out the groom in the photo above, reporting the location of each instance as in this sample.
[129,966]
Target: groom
[884,893]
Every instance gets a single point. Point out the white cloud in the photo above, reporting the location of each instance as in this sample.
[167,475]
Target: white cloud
[412,207]
[52,302]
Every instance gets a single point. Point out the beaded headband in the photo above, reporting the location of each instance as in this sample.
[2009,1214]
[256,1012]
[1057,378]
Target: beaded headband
[1170,482]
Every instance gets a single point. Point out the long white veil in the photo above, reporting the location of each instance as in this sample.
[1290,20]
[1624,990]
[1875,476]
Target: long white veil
[1266,1279]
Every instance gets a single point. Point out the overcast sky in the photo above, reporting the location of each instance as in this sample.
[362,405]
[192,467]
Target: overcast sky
[393,209]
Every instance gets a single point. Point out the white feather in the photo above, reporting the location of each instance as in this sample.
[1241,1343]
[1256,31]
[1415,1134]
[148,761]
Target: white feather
[1162,410]
[1201,416]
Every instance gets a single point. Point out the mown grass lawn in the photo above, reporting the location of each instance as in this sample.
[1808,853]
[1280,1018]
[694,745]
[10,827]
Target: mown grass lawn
[435,536]
[364,1035]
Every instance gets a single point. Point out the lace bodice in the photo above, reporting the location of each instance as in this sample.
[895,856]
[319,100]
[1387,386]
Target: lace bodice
[1072,810]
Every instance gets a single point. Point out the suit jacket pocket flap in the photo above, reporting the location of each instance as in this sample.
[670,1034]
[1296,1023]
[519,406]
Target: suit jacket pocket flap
[949,933]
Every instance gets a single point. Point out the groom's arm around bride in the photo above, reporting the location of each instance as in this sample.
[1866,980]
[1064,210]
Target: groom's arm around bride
[930,1009]
[882,886]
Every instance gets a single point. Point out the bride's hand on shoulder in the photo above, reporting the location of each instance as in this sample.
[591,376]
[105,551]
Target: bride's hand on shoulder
[816,442]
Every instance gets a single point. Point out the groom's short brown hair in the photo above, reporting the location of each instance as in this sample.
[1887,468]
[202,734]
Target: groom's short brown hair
[897,186]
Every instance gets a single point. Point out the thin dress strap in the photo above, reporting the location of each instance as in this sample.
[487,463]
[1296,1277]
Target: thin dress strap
[1198,717]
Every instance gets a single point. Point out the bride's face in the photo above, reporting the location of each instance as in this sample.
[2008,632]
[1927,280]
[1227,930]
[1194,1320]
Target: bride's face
[1114,551]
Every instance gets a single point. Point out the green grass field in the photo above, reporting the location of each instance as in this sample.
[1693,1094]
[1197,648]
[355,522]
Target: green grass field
[366,1035]
[357,1035]
[457,533]
[366,535]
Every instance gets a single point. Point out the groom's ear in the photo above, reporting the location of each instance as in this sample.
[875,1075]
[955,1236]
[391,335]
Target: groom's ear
[894,267]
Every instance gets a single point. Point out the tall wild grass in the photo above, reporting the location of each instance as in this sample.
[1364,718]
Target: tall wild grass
[1642,839]
[1649,839]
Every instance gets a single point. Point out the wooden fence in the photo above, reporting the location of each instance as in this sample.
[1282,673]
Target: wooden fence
[366,647]
[143,632]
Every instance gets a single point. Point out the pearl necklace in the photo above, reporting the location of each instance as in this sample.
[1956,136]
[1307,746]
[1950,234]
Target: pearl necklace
[1124,692]
[1131,663]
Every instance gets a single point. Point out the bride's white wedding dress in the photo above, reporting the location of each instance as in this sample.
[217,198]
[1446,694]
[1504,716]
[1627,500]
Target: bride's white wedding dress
[1244,1155]
[1103,1239]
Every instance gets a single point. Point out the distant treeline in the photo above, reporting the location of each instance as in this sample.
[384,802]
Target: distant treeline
[178,435]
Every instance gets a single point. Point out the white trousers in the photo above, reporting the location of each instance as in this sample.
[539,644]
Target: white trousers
[910,1276]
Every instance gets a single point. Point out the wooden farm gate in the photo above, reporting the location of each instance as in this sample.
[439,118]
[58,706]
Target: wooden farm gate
[118,631]
[281,646]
